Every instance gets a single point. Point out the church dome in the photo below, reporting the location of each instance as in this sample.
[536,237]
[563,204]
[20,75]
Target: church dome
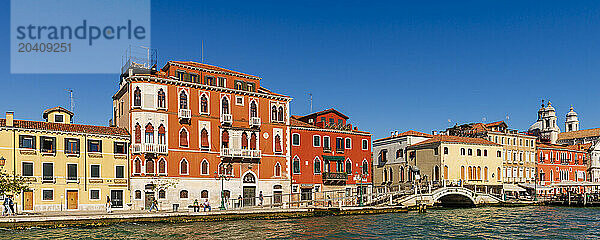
[550,107]
[536,126]
[571,113]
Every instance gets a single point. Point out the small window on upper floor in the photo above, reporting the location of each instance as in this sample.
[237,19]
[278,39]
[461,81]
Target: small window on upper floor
[316,141]
[365,144]
[221,81]
[331,121]
[239,100]
[250,87]
[59,118]
[445,150]
[470,152]
[210,80]
[436,151]
[323,119]
[48,144]
[296,139]
[180,75]
[238,85]
[340,121]
[194,78]
[95,146]
[348,143]
[120,148]
[137,97]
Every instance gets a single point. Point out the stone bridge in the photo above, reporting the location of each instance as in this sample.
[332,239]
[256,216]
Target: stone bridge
[446,196]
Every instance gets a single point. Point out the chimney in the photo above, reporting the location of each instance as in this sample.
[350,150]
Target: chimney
[433,132]
[395,133]
[10,119]
[391,133]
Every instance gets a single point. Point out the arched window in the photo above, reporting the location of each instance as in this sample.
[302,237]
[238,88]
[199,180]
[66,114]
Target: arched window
[317,165]
[249,178]
[244,140]
[348,166]
[253,141]
[277,169]
[137,166]
[138,133]
[138,194]
[401,174]
[224,106]
[149,166]
[470,173]
[137,97]
[183,100]
[183,194]
[149,133]
[229,170]
[253,109]
[204,139]
[365,167]
[183,138]
[462,172]
[462,151]
[296,165]
[498,154]
[162,194]
[203,104]
[446,172]
[162,166]
[162,99]
[385,176]
[280,114]
[204,194]
[485,152]
[498,172]
[436,173]
[274,113]
[478,173]
[204,167]
[225,139]
[161,135]
[277,143]
[183,167]
[485,173]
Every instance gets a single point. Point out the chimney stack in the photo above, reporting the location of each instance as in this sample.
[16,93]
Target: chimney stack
[434,133]
[395,133]
[10,116]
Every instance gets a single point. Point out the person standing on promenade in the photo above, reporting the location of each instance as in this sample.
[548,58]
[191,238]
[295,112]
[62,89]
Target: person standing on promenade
[6,210]
[11,205]
[108,204]
[240,202]
[206,205]
[154,205]
[261,198]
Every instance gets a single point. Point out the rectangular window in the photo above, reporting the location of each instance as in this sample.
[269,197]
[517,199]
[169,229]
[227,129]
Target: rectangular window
[119,172]
[48,144]
[316,141]
[365,144]
[59,118]
[94,171]
[47,195]
[180,75]
[194,78]
[71,146]
[95,146]
[94,194]
[47,171]
[27,169]
[326,144]
[436,151]
[250,87]
[221,82]
[331,121]
[239,101]
[348,143]
[71,172]
[296,139]
[27,142]
[120,148]
[339,144]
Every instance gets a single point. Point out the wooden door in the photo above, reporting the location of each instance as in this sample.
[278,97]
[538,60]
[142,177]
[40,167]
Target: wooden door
[249,196]
[72,199]
[148,200]
[28,200]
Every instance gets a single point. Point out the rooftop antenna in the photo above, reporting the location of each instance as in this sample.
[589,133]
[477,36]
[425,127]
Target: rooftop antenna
[71,103]
[202,52]
[310,100]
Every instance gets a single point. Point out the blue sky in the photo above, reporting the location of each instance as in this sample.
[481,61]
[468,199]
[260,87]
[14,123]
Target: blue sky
[387,65]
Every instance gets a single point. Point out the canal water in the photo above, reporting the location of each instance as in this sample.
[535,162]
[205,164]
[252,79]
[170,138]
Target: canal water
[532,222]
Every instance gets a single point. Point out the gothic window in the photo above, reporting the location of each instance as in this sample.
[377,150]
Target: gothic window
[253,109]
[349,167]
[204,139]
[161,135]
[277,170]
[183,167]
[277,144]
[296,165]
[204,167]
[161,99]
[137,166]
[162,166]
[137,97]
[274,114]
[183,100]
[280,114]
[138,133]
[225,106]
[253,141]
[317,165]
[203,104]
[183,138]
[225,139]
[365,167]
[149,133]
[149,166]
[244,140]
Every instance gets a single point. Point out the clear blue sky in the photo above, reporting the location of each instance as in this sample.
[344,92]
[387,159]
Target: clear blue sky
[387,65]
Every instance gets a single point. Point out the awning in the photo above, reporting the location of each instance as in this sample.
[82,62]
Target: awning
[534,187]
[512,188]
[333,158]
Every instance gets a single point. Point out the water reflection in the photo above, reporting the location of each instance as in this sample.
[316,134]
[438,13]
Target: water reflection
[477,223]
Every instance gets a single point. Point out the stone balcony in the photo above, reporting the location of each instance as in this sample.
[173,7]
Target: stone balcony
[240,153]
[185,114]
[254,122]
[150,148]
[226,119]
[334,178]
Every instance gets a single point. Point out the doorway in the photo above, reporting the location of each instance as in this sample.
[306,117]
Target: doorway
[72,199]
[148,200]
[249,196]
[28,200]
[116,198]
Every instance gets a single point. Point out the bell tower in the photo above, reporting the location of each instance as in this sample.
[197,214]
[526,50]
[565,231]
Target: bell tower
[572,122]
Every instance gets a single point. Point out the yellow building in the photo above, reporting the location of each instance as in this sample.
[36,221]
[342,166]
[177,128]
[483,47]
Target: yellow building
[452,160]
[70,166]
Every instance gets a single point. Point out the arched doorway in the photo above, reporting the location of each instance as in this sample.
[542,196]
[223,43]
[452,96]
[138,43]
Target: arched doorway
[249,189]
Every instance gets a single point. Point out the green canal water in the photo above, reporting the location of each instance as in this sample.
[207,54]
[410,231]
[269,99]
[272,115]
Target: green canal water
[533,222]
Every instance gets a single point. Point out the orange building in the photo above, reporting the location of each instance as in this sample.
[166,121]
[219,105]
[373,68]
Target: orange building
[328,155]
[559,163]
[198,130]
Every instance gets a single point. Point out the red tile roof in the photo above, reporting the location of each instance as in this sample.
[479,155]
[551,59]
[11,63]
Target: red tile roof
[59,109]
[407,133]
[331,110]
[579,134]
[64,127]
[296,122]
[494,124]
[211,67]
[562,147]
[455,139]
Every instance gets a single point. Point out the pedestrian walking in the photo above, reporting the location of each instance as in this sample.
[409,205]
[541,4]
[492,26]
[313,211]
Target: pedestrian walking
[6,206]
[206,205]
[108,205]
[11,205]
[154,205]
[240,202]
[260,198]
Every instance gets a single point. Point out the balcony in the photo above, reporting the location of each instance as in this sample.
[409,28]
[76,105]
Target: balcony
[150,148]
[185,114]
[254,122]
[339,150]
[226,119]
[334,178]
[240,153]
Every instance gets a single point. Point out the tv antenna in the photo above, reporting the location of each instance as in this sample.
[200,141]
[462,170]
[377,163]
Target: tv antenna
[71,101]
[310,101]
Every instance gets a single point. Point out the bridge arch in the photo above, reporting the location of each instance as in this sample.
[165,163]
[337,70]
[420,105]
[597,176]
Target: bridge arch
[455,198]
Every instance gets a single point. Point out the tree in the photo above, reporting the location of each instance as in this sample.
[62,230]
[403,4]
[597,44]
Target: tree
[13,184]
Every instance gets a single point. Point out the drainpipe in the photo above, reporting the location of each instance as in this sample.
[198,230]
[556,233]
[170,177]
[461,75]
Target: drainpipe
[84,161]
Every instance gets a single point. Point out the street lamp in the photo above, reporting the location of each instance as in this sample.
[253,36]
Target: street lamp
[361,175]
[223,176]
[2,161]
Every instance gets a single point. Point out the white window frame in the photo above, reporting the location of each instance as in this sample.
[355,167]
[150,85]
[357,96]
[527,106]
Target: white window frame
[99,171]
[200,103]
[236,100]
[346,141]
[99,194]
[275,170]
[207,168]
[363,144]
[47,189]
[313,141]
[124,171]
[158,166]
[188,168]
[32,168]
[188,138]
[295,134]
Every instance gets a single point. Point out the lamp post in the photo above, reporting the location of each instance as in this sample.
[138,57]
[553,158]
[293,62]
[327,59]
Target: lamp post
[361,175]
[223,176]
[2,161]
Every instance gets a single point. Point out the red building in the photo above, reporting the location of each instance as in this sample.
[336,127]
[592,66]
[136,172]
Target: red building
[193,124]
[557,163]
[328,155]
